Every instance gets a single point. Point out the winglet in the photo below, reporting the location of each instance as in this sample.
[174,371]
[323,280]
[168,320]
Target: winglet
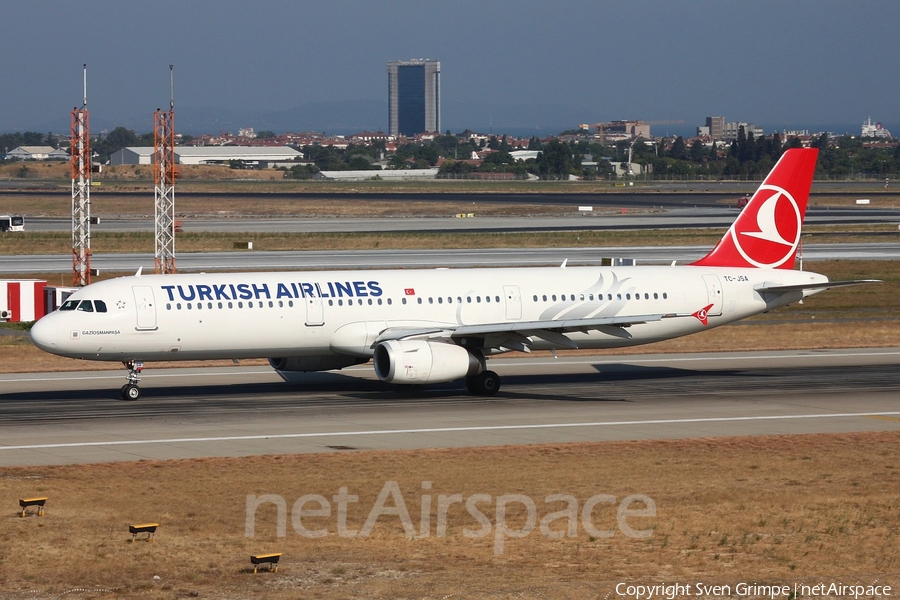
[140,268]
[767,232]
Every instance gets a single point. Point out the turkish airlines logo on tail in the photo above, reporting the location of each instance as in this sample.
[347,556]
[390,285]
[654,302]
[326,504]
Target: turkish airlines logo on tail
[702,315]
[768,231]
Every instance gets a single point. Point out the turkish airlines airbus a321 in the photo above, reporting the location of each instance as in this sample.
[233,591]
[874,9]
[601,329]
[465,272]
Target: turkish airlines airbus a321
[427,326]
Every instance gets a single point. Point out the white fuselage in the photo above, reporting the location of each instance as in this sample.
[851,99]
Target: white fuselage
[340,314]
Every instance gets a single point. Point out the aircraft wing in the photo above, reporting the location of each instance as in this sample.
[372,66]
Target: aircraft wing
[800,287]
[514,335]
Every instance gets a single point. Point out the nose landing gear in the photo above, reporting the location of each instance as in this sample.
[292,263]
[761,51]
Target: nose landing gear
[131,391]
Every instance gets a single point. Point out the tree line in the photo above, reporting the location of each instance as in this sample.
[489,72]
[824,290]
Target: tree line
[747,157]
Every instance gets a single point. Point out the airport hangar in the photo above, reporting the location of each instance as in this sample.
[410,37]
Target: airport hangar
[255,156]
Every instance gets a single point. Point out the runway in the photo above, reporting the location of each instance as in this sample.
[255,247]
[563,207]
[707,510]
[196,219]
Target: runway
[420,259]
[62,418]
[650,217]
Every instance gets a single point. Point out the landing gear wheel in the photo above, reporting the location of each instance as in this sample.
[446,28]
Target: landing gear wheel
[130,392]
[486,383]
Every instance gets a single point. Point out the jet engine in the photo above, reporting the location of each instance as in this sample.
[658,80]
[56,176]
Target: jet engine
[421,361]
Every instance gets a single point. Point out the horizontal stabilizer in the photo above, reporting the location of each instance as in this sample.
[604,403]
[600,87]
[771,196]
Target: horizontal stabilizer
[803,287]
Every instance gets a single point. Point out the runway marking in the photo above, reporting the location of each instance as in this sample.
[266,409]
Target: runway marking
[449,430]
[885,418]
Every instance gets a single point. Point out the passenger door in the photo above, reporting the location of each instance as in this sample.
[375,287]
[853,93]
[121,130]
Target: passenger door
[145,306]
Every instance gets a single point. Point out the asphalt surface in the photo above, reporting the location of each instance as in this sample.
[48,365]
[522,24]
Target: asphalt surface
[605,218]
[398,259]
[63,418]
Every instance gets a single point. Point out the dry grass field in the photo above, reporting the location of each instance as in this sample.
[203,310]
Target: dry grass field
[764,510]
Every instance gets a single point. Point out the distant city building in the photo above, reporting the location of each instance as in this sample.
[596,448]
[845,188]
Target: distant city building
[874,130]
[414,96]
[627,130]
[731,130]
[715,127]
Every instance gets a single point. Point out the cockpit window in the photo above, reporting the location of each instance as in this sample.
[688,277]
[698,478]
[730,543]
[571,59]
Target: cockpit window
[86,306]
[69,305]
[100,305]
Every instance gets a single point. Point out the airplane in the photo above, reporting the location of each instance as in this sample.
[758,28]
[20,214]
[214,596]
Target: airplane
[441,325]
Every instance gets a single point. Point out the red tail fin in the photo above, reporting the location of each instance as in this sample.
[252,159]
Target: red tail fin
[767,232]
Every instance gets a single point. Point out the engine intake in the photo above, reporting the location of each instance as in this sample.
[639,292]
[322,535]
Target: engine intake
[421,361]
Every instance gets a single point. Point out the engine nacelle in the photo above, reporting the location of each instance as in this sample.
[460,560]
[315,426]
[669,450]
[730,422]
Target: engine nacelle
[314,363]
[421,361]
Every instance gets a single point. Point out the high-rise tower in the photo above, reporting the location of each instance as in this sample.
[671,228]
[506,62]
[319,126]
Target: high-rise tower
[414,96]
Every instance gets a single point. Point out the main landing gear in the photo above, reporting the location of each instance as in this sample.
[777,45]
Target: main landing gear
[485,383]
[131,391]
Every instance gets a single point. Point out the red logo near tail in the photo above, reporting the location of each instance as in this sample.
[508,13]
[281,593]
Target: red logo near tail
[702,315]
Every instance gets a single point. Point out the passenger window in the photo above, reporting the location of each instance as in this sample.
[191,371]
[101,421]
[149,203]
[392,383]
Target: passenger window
[390,302]
[86,306]
[100,305]
[655,296]
[544,297]
[168,306]
[403,300]
[665,296]
[69,305]
[487,298]
[420,301]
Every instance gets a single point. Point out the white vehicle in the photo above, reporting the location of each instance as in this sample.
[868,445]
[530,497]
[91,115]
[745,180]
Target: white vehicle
[427,326]
[12,223]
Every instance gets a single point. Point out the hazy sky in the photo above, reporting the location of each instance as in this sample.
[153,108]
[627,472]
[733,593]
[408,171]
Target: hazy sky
[505,63]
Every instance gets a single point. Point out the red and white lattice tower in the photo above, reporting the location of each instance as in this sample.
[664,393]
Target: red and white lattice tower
[164,171]
[81,193]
